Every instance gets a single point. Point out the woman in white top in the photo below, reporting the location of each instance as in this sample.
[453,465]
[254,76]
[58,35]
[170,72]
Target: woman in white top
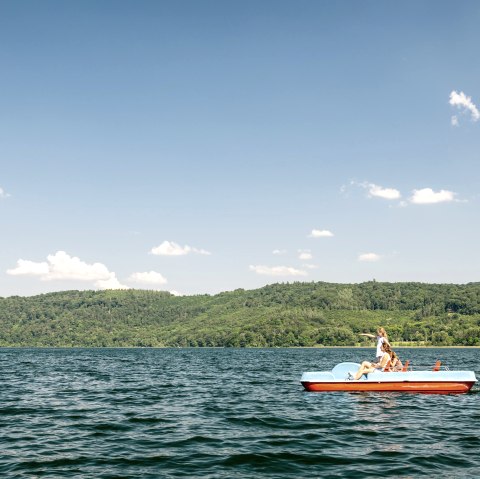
[381,339]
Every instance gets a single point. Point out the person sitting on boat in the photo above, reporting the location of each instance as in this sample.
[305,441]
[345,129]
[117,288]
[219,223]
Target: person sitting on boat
[368,367]
[396,364]
[381,338]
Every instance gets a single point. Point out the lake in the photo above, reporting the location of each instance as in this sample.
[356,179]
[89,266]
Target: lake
[225,413]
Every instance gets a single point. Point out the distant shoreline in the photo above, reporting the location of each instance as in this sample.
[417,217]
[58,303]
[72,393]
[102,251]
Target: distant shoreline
[232,347]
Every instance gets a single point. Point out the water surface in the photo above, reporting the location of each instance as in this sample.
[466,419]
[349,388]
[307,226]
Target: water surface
[224,413]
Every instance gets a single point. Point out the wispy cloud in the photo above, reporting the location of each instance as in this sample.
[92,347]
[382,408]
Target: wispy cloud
[418,196]
[148,277]
[304,254]
[464,103]
[427,196]
[169,248]
[279,252]
[277,270]
[3,193]
[320,234]
[369,257]
[62,266]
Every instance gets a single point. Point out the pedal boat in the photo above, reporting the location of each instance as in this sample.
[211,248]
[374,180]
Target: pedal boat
[435,381]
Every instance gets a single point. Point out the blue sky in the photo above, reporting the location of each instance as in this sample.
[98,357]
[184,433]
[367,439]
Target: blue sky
[203,146]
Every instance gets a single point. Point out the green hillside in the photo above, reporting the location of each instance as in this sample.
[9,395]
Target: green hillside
[295,314]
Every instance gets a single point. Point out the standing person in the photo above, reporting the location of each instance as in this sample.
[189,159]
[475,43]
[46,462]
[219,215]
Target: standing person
[381,338]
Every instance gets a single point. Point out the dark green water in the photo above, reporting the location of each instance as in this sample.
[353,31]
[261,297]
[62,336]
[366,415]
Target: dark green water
[224,413]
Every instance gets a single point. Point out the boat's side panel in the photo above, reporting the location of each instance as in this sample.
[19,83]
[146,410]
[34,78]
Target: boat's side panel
[437,387]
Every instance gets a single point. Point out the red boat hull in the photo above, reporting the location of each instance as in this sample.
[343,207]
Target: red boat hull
[432,387]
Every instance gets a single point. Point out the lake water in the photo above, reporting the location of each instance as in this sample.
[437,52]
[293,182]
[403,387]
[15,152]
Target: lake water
[224,413]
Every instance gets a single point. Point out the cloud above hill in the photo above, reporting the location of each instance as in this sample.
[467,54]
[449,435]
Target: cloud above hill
[62,266]
[277,270]
[151,278]
[369,257]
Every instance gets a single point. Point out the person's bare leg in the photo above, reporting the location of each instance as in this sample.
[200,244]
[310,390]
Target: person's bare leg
[365,368]
[359,373]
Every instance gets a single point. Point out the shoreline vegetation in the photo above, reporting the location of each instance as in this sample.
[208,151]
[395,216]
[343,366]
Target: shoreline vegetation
[236,347]
[314,314]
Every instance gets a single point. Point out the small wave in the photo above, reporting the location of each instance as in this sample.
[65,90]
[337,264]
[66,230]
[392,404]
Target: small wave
[148,420]
[220,414]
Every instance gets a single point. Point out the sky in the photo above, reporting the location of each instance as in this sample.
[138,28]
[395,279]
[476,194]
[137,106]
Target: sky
[203,146]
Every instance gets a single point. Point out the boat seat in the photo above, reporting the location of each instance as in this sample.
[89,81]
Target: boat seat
[340,371]
[437,366]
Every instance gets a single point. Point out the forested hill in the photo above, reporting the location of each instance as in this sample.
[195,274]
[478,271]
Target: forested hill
[295,314]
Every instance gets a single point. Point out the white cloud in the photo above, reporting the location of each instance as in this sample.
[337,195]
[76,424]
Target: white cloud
[465,103]
[304,254]
[62,266]
[420,196]
[150,277]
[310,266]
[320,234]
[3,193]
[379,191]
[454,120]
[369,257]
[169,248]
[428,196]
[385,193]
[279,251]
[29,268]
[277,270]
[110,283]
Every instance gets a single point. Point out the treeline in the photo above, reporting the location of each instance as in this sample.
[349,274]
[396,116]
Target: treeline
[278,315]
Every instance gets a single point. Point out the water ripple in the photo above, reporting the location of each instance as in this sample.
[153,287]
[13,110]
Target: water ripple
[223,413]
